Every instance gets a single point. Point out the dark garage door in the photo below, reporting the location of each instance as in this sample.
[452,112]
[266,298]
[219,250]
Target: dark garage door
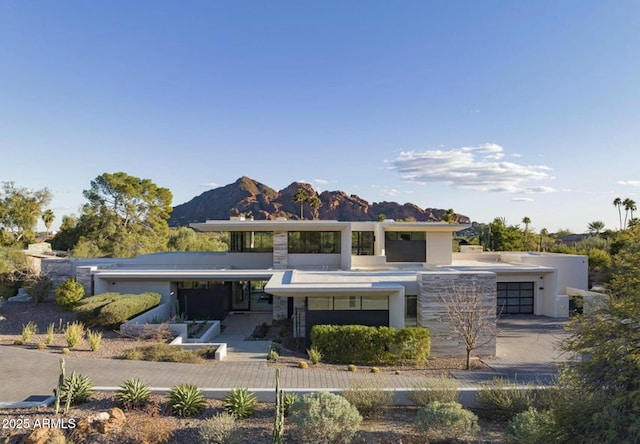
[515,297]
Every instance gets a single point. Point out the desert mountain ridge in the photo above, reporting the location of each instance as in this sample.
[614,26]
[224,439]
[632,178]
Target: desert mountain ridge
[251,198]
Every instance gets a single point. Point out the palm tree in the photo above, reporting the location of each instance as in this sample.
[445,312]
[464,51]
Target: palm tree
[301,197]
[315,203]
[617,202]
[629,207]
[596,227]
[544,233]
[449,216]
[48,217]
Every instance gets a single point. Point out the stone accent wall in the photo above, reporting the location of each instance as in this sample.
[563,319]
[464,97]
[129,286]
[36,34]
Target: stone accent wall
[432,313]
[83,276]
[279,307]
[280,250]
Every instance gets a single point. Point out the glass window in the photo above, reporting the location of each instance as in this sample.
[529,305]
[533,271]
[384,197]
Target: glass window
[346,303]
[310,242]
[320,303]
[251,241]
[375,303]
[362,243]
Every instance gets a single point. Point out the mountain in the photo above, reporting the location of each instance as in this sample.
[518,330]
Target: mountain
[251,198]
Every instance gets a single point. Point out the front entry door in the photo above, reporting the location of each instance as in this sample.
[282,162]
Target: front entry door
[240,296]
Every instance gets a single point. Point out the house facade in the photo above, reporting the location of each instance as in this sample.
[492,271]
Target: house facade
[317,272]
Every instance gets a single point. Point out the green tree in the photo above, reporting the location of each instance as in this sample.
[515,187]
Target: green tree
[68,234]
[449,216]
[48,217]
[301,197]
[125,216]
[504,237]
[186,239]
[315,203]
[629,207]
[20,209]
[596,227]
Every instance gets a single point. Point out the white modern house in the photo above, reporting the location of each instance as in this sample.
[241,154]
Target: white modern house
[317,272]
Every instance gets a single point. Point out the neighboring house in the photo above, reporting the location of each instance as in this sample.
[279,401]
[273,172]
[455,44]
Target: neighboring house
[320,271]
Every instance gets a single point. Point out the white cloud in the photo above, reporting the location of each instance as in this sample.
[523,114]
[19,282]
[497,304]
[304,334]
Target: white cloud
[209,185]
[474,168]
[633,183]
[522,199]
[389,192]
[321,181]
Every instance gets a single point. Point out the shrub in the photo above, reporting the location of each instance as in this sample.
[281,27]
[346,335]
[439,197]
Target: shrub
[220,429]
[18,342]
[314,355]
[323,417]
[76,386]
[273,356]
[163,353]
[186,400]
[38,287]
[240,402]
[112,309]
[141,429]
[429,390]
[529,427]
[445,421]
[51,330]
[288,399]
[303,365]
[499,400]
[41,346]
[94,338]
[69,293]
[65,351]
[352,368]
[371,345]
[73,333]
[375,370]
[370,399]
[29,330]
[133,393]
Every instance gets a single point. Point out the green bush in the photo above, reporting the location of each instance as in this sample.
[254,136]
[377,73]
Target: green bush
[220,429]
[369,398]
[288,399]
[73,333]
[133,393]
[240,402]
[445,421]
[343,344]
[427,391]
[112,309]
[500,400]
[529,427]
[29,330]
[186,400]
[76,386]
[314,355]
[163,353]
[69,293]
[319,418]
[94,338]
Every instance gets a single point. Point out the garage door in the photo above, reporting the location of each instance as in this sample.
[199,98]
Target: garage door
[515,297]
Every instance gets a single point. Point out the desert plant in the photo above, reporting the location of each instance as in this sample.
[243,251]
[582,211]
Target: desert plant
[303,365]
[529,427]
[163,353]
[499,400]
[41,346]
[240,402]
[288,399]
[441,389]
[375,370]
[142,429]
[369,398]
[73,333]
[69,293]
[273,356]
[314,355]
[133,393]
[322,417]
[65,351]
[38,286]
[18,342]
[278,420]
[352,368]
[186,400]
[94,338]
[76,389]
[445,421]
[29,330]
[51,331]
[220,429]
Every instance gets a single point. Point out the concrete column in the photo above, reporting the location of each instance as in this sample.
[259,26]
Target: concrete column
[396,310]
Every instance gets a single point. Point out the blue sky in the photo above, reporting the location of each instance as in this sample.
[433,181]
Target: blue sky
[494,108]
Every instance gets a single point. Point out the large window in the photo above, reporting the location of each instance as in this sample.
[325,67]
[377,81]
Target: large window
[251,241]
[311,242]
[347,303]
[362,243]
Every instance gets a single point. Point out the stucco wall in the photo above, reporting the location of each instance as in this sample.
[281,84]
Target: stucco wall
[439,248]
[432,313]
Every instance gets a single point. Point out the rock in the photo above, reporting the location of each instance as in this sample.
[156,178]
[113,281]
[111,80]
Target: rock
[45,436]
[102,423]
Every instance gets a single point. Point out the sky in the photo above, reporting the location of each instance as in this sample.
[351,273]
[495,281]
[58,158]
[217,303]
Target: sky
[506,109]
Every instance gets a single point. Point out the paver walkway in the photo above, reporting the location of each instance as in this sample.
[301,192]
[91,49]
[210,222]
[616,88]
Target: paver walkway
[525,347]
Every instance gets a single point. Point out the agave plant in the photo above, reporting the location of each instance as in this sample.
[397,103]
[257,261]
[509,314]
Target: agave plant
[240,402]
[186,400]
[133,393]
[76,389]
